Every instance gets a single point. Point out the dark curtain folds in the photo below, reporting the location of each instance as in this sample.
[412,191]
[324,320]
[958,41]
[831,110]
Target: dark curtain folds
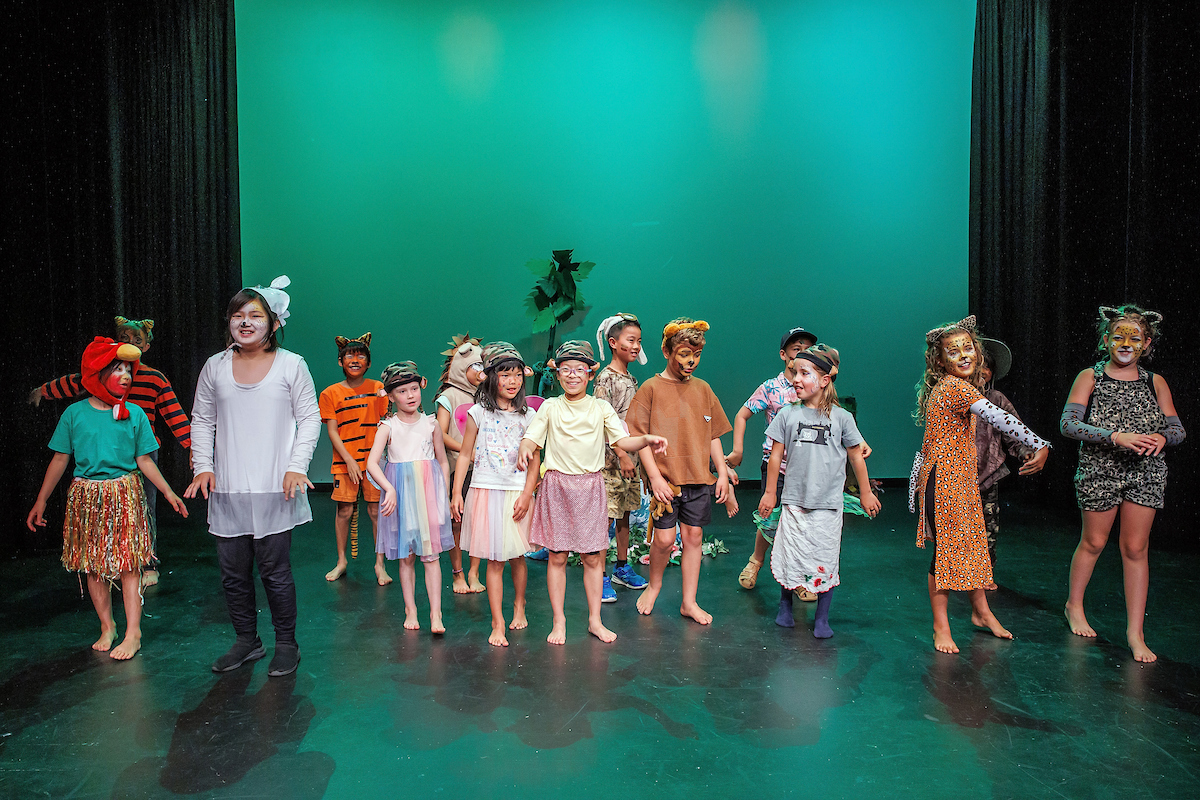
[1084,151]
[120,156]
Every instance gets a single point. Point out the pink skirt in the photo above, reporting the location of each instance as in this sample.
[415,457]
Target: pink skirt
[488,528]
[420,525]
[570,513]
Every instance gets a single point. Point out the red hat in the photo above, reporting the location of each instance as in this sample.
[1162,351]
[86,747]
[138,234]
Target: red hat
[99,355]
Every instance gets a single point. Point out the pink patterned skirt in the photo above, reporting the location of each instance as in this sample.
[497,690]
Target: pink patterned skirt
[570,513]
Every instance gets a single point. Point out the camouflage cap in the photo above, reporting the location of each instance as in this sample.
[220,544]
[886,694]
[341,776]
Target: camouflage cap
[496,353]
[398,374]
[575,350]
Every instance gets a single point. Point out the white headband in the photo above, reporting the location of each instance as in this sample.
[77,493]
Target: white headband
[277,298]
[602,336]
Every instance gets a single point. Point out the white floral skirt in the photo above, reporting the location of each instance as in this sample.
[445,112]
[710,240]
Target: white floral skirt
[807,548]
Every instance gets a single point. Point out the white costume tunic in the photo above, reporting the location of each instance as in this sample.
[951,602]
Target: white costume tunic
[248,436]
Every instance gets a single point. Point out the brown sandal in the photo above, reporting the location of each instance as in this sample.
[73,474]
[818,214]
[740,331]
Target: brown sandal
[749,575]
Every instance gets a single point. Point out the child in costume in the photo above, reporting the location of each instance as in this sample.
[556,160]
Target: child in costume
[416,511]
[351,410]
[989,444]
[684,409]
[107,532]
[947,476]
[151,392]
[461,374]
[495,514]
[255,424]
[1123,416]
[571,510]
[817,436]
[614,384]
[771,396]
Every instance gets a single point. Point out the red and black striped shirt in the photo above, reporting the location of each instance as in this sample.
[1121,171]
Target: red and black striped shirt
[151,392]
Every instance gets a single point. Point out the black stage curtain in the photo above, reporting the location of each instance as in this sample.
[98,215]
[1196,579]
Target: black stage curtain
[121,197]
[1084,152]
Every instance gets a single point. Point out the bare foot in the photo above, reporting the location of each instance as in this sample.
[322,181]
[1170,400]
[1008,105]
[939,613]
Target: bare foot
[474,585]
[519,622]
[992,624]
[990,587]
[600,632]
[380,575]
[105,641]
[498,638]
[697,613]
[645,601]
[558,634]
[128,648]
[460,584]
[336,572]
[150,578]
[1141,652]
[435,625]
[943,643]
[411,622]
[1078,622]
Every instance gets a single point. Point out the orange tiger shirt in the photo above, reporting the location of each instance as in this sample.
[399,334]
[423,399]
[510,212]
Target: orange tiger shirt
[357,412]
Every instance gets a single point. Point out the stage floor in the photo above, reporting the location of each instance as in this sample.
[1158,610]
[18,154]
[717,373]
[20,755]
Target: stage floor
[671,709]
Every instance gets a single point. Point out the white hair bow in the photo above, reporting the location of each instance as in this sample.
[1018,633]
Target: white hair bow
[277,298]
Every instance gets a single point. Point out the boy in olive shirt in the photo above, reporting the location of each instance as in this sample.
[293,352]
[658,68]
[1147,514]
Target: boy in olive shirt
[683,409]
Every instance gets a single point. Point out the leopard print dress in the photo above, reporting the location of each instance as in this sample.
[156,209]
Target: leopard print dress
[961,561]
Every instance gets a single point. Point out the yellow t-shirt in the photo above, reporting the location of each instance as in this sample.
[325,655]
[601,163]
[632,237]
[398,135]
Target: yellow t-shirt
[572,434]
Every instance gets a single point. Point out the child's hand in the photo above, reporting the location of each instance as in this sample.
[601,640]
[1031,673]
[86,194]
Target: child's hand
[524,455]
[628,470]
[658,444]
[731,506]
[734,480]
[35,399]
[734,458]
[661,490]
[293,482]
[35,516]
[869,502]
[766,505]
[203,483]
[354,472]
[456,507]
[866,449]
[1035,462]
[521,506]
[388,506]
[722,489]
[177,504]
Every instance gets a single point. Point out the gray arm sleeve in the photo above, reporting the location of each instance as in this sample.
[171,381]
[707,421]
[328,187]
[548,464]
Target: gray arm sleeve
[1174,432]
[1006,423]
[1073,427]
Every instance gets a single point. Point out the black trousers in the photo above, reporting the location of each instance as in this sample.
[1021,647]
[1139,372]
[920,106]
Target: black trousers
[237,556]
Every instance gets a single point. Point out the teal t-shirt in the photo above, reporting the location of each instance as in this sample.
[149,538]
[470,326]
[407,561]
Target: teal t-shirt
[104,448]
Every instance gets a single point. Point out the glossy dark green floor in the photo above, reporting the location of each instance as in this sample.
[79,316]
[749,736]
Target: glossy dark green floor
[743,708]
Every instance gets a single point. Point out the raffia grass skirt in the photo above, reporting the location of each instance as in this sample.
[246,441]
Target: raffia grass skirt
[107,527]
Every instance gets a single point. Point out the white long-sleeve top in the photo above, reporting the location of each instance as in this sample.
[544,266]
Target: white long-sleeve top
[248,436]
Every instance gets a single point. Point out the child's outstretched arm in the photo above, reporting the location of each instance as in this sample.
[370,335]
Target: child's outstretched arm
[1013,428]
[461,465]
[527,454]
[866,497]
[734,459]
[632,444]
[388,505]
[767,504]
[658,484]
[54,472]
[150,470]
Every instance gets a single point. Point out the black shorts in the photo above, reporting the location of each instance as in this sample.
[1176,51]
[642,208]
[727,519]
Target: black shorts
[692,507]
[778,483]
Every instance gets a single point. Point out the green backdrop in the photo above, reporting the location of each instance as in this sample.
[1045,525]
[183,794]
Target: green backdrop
[758,165]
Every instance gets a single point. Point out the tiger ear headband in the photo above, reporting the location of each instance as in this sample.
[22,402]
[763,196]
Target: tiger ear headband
[145,325]
[342,342]
[965,324]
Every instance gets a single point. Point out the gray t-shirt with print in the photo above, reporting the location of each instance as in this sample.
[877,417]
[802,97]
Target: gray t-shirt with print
[815,448]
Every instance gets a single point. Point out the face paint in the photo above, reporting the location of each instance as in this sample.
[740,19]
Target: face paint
[627,344]
[958,355]
[1125,343]
[509,382]
[808,381]
[119,380]
[130,335]
[683,361]
[248,325]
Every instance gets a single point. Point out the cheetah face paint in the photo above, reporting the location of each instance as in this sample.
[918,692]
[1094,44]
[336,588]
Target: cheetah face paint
[959,356]
[1126,343]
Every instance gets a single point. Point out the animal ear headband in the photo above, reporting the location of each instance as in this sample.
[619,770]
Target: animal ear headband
[606,325]
[342,342]
[277,298]
[1111,315]
[146,326]
[965,324]
[675,327]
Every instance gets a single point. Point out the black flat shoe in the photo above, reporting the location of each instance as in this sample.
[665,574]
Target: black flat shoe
[241,652]
[285,661]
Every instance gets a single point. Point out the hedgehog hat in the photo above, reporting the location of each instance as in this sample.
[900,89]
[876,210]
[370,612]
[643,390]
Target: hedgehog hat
[97,356]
